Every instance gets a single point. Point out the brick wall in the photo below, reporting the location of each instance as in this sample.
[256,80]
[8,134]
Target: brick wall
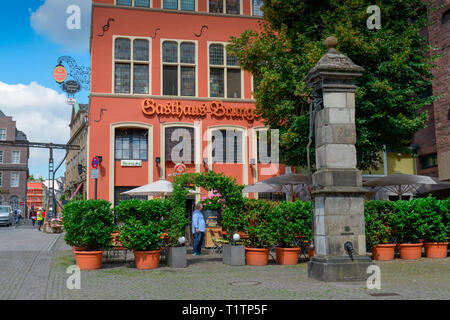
[436,137]
[439,37]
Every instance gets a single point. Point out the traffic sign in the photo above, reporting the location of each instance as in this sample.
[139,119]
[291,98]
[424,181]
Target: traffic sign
[94,173]
[95,162]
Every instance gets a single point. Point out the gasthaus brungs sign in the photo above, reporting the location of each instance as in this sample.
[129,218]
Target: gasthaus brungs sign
[216,108]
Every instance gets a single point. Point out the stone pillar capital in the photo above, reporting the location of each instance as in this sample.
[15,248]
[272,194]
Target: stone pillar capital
[335,72]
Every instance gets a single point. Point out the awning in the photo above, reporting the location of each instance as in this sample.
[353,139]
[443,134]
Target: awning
[76,191]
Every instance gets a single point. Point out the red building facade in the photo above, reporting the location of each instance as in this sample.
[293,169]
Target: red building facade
[161,79]
[35,195]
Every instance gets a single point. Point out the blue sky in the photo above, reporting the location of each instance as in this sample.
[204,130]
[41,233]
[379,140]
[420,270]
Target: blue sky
[33,35]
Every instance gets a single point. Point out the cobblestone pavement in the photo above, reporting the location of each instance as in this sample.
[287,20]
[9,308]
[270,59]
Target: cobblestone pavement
[41,273]
[209,278]
[25,260]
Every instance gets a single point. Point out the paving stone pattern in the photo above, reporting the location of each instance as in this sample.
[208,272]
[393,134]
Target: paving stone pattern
[41,274]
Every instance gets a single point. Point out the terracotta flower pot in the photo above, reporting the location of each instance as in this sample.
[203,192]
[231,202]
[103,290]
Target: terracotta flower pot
[88,260]
[383,252]
[257,256]
[145,260]
[287,256]
[436,249]
[311,252]
[410,251]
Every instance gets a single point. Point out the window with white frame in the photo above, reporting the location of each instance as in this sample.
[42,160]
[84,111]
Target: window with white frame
[179,64]
[15,179]
[225,6]
[1,156]
[1,179]
[224,73]
[187,5]
[2,134]
[15,157]
[256,7]
[136,3]
[131,65]
[226,146]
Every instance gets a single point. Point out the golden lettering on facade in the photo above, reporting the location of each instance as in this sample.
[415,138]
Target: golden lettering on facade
[150,107]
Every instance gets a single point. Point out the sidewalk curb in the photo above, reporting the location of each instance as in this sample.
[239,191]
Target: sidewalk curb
[52,245]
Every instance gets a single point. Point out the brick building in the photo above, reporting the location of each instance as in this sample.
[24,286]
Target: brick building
[13,165]
[35,195]
[434,141]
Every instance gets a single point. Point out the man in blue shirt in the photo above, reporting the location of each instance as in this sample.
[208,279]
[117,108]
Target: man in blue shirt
[198,229]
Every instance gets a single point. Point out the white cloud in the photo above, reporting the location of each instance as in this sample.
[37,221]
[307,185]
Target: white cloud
[42,114]
[50,19]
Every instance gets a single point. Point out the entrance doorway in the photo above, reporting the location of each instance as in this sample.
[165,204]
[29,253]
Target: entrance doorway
[190,206]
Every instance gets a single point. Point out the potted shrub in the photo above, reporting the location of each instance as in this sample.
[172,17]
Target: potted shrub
[287,221]
[88,226]
[408,228]
[435,213]
[142,229]
[260,237]
[378,232]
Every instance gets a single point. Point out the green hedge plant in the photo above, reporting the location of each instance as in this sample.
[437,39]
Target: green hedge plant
[88,224]
[288,221]
[144,222]
[377,214]
[435,219]
[138,235]
[256,223]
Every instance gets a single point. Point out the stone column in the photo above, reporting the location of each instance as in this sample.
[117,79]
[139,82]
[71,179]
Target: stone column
[339,235]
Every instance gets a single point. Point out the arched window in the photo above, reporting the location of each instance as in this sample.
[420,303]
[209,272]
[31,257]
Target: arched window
[446,17]
[179,144]
[226,146]
[14,202]
[131,144]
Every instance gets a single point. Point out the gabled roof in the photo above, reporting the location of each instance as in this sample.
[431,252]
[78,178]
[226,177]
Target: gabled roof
[20,135]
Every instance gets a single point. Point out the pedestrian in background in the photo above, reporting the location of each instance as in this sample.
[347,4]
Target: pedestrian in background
[198,229]
[16,217]
[33,217]
[39,219]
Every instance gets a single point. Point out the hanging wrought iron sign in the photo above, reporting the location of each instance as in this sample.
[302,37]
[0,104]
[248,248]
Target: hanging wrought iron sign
[71,86]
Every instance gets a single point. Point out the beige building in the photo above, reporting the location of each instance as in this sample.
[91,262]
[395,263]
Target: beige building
[75,182]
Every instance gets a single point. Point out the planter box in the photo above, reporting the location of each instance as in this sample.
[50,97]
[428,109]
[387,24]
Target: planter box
[233,255]
[176,257]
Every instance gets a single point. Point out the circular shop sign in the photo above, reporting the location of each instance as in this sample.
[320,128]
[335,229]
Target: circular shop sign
[60,74]
[179,168]
[71,86]
[95,162]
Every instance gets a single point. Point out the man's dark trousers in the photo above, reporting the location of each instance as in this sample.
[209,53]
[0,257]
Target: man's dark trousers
[198,241]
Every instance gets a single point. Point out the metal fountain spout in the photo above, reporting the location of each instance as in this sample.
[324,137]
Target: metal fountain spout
[348,246]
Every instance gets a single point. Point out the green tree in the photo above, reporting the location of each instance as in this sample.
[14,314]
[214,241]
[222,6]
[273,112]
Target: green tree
[390,96]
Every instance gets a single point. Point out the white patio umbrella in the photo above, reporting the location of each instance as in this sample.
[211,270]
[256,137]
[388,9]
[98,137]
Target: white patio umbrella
[290,183]
[261,187]
[158,188]
[400,183]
